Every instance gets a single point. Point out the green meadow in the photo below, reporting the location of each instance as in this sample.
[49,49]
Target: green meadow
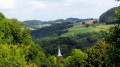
[78,28]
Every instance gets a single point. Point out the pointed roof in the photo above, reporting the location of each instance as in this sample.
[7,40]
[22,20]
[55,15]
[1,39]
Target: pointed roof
[59,52]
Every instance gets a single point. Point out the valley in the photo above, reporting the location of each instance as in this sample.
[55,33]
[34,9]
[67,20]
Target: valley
[68,42]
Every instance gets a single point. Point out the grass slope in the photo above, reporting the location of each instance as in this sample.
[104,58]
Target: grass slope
[77,28]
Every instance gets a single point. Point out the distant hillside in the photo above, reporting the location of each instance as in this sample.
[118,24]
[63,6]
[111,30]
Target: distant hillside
[32,22]
[38,22]
[108,17]
[57,21]
[35,24]
[78,20]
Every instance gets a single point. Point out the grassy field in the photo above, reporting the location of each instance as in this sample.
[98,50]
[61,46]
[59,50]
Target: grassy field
[77,28]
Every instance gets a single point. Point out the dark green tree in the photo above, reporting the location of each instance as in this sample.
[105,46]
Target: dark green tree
[114,40]
[97,55]
[77,59]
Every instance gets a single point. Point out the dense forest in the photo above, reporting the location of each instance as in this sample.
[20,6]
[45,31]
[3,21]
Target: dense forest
[54,30]
[109,16]
[81,41]
[21,47]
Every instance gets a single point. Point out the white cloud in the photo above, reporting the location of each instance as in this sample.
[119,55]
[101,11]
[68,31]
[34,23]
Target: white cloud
[69,0]
[7,4]
[54,9]
[38,4]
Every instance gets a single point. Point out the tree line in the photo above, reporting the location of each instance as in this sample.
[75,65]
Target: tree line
[18,50]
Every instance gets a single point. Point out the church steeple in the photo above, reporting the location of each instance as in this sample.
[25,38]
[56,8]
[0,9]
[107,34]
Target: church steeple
[59,52]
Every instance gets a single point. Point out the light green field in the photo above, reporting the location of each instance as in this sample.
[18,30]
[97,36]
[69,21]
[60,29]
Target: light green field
[77,28]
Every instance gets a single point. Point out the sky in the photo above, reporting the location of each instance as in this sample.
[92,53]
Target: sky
[54,9]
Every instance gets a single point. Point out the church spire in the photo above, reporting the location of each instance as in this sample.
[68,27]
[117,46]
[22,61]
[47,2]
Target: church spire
[59,52]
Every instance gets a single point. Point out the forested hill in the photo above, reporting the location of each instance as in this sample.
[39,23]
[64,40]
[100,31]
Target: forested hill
[36,24]
[109,17]
[68,35]
[78,20]
[53,30]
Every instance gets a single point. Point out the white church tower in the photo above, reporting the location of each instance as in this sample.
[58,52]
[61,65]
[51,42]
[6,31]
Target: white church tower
[59,52]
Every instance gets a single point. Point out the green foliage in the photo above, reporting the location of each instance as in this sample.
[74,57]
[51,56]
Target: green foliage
[52,59]
[87,25]
[12,56]
[77,59]
[114,40]
[12,32]
[81,40]
[16,46]
[35,55]
[97,55]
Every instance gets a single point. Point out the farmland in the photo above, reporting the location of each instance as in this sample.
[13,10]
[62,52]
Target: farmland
[77,28]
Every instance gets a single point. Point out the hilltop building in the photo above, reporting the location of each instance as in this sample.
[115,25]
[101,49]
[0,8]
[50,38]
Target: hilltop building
[94,21]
